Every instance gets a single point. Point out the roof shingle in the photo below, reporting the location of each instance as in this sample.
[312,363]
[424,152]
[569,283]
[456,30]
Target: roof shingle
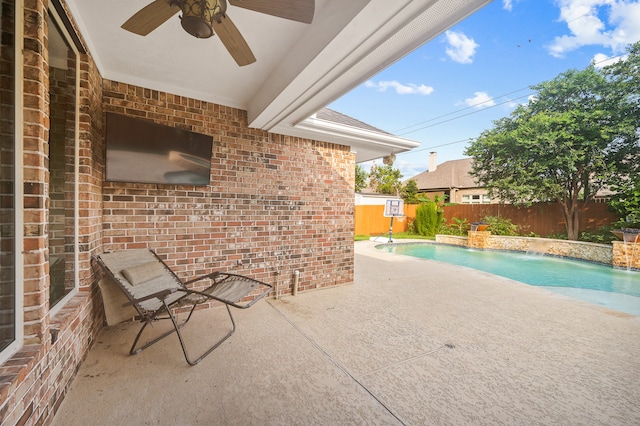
[450,174]
[337,117]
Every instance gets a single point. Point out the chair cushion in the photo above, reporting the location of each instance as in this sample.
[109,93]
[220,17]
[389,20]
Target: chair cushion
[142,273]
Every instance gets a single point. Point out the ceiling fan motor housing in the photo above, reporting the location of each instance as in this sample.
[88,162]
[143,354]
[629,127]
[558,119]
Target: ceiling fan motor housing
[198,16]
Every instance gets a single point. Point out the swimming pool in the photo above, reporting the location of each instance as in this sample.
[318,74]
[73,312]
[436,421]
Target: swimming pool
[614,288]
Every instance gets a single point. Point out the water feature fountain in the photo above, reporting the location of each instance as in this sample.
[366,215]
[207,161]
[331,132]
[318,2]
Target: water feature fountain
[630,238]
[479,226]
[477,235]
[538,247]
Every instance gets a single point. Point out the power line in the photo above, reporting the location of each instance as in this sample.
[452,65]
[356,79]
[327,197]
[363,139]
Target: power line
[540,34]
[480,103]
[473,112]
[465,115]
[435,146]
[457,111]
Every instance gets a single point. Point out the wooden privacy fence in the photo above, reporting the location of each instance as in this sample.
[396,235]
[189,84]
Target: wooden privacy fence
[370,220]
[541,218]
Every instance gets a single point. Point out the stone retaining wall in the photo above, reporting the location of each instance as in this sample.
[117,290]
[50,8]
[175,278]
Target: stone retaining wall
[452,240]
[621,255]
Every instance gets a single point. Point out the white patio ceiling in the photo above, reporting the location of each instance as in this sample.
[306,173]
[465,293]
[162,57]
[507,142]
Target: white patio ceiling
[300,68]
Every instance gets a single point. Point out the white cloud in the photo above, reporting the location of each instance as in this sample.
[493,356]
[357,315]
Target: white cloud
[410,169]
[601,60]
[401,89]
[587,27]
[510,104]
[508,4]
[480,100]
[461,48]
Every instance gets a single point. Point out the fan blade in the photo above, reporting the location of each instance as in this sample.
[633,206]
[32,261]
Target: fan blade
[151,17]
[295,10]
[233,41]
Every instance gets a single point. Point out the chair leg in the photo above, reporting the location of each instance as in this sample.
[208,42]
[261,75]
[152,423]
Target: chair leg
[208,351]
[148,321]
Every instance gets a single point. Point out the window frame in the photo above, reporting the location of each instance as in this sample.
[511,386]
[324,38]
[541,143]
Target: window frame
[55,16]
[481,199]
[18,193]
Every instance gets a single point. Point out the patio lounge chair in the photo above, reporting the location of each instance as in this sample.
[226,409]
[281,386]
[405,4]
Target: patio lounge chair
[155,291]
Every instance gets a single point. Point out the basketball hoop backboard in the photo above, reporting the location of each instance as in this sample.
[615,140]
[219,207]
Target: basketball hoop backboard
[393,208]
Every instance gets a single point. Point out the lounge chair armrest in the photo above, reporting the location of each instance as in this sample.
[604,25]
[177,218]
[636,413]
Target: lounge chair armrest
[159,294]
[211,276]
[220,278]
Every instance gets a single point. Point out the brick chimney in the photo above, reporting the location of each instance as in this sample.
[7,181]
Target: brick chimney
[433,158]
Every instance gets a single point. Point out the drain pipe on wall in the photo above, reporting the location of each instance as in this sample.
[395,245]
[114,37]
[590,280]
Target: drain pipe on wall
[296,280]
[276,286]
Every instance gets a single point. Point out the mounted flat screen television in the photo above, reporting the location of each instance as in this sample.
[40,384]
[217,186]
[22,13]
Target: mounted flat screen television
[145,152]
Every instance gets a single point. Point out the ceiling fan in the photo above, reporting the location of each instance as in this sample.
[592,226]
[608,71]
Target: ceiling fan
[204,18]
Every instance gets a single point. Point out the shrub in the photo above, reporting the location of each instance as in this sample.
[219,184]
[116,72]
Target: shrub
[411,225]
[597,237]
[457,227]
[428,218]
[500,225]
[557,236]
[422,219]
[623,223]
[604,235]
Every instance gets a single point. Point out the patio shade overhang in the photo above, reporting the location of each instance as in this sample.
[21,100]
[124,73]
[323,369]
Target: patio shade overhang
[299,67]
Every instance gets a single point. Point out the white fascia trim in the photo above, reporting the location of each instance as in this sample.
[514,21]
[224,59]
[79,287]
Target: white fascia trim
[328,49]
[329,131]
[362,55]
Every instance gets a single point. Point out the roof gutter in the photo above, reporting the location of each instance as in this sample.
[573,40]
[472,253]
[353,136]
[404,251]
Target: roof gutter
[367,144]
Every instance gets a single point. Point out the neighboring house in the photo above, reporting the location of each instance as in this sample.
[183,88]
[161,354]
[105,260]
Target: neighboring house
[452,180]
[280,185]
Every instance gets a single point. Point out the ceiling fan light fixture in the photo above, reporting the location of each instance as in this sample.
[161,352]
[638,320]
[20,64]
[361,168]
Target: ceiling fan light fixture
[198,16]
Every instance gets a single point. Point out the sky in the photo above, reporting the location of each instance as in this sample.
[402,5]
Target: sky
[445,93]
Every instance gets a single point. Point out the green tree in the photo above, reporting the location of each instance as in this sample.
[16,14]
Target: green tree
[627,204]
[572,140]
[385,179]
[625,79]
[361,178]
[410,192]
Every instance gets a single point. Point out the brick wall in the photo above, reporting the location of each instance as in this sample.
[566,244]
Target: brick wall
[20,382]
[275,204]
[33,382]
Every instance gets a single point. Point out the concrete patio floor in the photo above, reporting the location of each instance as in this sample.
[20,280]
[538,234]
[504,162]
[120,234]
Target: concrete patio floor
[411,342]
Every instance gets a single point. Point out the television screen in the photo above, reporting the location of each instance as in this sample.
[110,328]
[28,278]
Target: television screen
[145,152]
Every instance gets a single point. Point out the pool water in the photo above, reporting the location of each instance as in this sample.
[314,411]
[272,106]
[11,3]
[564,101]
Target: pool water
[614,288]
